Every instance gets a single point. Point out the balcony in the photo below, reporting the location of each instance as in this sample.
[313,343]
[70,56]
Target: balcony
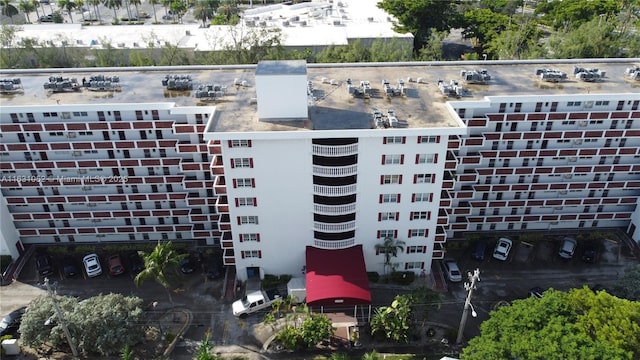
[334,209]
[338,227]
[335,170]
[332,245]
[334,190]
[337,150]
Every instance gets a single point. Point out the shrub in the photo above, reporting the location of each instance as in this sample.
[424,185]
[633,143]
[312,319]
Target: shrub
[271,281]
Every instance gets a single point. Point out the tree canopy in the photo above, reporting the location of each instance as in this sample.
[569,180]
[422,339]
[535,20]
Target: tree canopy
[419,17]
[579,324]
[102,325]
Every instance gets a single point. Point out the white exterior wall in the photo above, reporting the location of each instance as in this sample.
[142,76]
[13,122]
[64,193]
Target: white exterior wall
[274,90]
[283,172]
[284,186]
[8,233]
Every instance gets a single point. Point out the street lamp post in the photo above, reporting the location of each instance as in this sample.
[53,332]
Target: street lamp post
[475,277]
[72,345]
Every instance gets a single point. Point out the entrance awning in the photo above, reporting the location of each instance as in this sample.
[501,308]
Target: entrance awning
[336,277]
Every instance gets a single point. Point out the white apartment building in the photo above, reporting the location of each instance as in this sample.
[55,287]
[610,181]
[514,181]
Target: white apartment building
[329,157]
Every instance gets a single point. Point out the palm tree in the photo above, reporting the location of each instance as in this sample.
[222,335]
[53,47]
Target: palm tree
[203,11]
[80,5]
[153,4]
[135,3]
[389,248]
[35,4]
[68,5]
[113,4]
[8,9]
[156,263]
[26,6]
[95,4]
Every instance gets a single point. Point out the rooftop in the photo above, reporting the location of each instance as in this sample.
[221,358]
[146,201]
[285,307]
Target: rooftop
[331,107]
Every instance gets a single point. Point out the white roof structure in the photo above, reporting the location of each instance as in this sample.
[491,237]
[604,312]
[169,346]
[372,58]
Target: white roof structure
[313,25]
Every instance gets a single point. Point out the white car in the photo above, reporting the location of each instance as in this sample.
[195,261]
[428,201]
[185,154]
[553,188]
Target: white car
[502,249]
[92,265]
[452,270]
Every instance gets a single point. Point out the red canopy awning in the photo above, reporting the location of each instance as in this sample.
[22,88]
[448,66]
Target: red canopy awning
[337,277]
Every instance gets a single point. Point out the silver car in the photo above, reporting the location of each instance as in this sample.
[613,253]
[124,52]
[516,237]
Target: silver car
[567,248]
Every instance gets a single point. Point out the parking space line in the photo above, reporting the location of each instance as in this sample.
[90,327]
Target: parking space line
[225,332]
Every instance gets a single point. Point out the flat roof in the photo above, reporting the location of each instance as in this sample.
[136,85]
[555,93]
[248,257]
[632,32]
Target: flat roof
[332,107]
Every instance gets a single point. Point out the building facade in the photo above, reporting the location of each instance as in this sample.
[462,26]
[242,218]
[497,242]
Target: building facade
[297,155]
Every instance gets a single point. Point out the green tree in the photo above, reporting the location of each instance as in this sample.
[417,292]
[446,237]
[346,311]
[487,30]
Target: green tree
[522,42]
[579,324]
[432,50]
[571,14]
[593,39]
[173,55]
[418,17]
[153,4]
[179,8]
[101,325]
[114,5]
[628,286]
[96,9]
[393,322]
[203,11]
[156,263]
[389,248]
[314,329]
[135,4]
[26,6]
[8,9]
[67,5]
[482,25]
[205,349]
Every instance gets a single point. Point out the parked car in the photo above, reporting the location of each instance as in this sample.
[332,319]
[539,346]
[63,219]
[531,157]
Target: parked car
[187,265]
[92,265]
[567,248]
[11,321]
[501,252]
[590,252]
[536,292]
[115,265]
[46,18]
[44,265]
[479,250]
[452,270]
[69,267]
[136,263]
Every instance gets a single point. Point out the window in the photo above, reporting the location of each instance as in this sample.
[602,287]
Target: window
[250,237]
[413,265]
[389,198]
[574,103]
[416,249]
[244,182]
[383,234]
[246,201]
[420,215]
[428,139]
[251,254]
[418,233]
[243,220]
[242,163]
[384,216]
[422,197]
[392,159]
[239,143]
[424,178]
[391,179]
[426,158]
[393,140]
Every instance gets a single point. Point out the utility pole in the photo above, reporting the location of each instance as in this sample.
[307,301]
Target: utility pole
[74,351]
[475,277]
